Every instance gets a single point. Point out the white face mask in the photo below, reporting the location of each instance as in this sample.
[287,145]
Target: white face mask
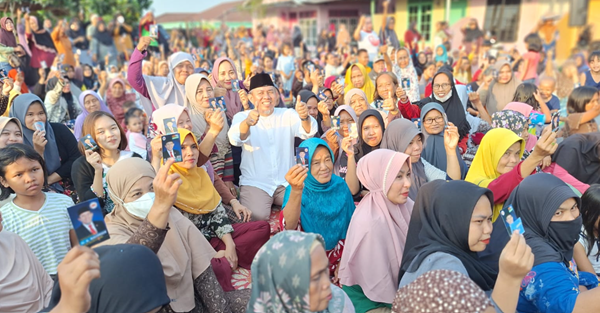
[141,207]
[445,98]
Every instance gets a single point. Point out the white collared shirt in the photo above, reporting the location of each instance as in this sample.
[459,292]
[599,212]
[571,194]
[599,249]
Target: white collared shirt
[268,152]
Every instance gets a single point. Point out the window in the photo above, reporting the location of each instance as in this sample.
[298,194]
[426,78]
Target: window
[308,26]
[420,13]
[350,22]
[502,19]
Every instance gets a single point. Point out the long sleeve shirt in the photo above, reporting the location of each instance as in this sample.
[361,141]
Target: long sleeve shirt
[134,73]
[268,152]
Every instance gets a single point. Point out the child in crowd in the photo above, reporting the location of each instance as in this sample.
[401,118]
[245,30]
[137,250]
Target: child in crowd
[591,77]
[135,137]
[547,87]
[531,58]
[39,218]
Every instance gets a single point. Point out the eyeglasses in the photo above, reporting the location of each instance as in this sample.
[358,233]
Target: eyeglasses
[429,121]
[442,86]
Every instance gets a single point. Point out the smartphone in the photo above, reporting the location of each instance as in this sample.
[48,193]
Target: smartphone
[555,121]
[171,147]
[88,222]
[511,221]
[88,143]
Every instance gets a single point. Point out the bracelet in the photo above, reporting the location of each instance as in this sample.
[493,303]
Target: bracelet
[92,189]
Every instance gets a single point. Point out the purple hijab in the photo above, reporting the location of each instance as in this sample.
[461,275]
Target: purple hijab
[84,112]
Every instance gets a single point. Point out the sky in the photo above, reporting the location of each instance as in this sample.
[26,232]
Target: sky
[183,6]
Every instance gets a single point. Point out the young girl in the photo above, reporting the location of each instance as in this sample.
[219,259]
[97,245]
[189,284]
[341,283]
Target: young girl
[89,171]
[582,108]
[135,137]
[533,42]
[591,77]
[39,218]
[586,253]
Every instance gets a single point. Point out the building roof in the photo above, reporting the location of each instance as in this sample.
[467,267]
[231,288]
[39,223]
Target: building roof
[229,12]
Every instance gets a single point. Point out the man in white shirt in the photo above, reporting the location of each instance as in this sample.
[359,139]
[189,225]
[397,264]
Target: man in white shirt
[333,67]
[366,37]
[266,135]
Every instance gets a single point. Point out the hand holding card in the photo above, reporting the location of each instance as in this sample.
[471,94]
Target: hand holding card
[89,143]
[511,221]
[302,156]
[88,222]
[171,147]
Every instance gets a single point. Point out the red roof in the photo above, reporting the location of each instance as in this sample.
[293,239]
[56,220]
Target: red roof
[229,11]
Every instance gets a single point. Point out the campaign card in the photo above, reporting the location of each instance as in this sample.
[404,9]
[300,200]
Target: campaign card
[302,156]
[335,122]
[445,119]
[153,29]
[89,143]
[417,122]
[511,221]
[170,125]
[235,85]
[379,104]
[88,222]
[322,96]
[43,64]
[405,83]
[311,67]
[341,81]
[555,121]
[353,131]
[39,126]
[171,147]
[469,89]
[218,103]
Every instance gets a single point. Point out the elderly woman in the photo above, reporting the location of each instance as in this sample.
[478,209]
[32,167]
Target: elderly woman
[502,89]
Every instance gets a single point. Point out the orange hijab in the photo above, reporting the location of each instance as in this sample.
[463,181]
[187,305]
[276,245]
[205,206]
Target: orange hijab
[13,74]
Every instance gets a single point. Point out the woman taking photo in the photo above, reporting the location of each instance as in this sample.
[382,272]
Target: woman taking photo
[89,170]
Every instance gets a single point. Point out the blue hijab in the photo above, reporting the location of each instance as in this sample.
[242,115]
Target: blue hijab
[326,209]
[443,57]
[434,150]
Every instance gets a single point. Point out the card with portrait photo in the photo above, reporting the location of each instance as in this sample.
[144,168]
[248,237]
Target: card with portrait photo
[88,222]
[171,147]
[218,103]
[302,156]
[335,122]
[153,30]
[555,121]
[170,125]
[511,221]
[89,143]
[40,126]
[353,131]
[235,85]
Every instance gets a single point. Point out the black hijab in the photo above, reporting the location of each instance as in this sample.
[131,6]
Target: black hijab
[455,110]
[132,281]
[105,37]
[579,154]
[440,222]
[362,148]
[306,95]
[42,38]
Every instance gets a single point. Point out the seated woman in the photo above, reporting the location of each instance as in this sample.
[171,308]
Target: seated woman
[407,74]
[582,108]
[318,201]
[449,239]
[370,132]
[337,138]
[357,77]
[317,109]
[90,169]
[55,143]
[61,104]
[357,100]
[377,233]
[498,166]
[549,210]
[90,102]
[435,133]
[272,287]
[388,91]
[579,154]
[25,285]
[11,131]
[116,96]
[586,252]
[524,109]
[144,214]
[496,95]
[404,137]
[224,72]
[198,200]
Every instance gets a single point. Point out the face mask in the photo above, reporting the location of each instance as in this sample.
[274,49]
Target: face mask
[564,235]
[141,207]
[445,98]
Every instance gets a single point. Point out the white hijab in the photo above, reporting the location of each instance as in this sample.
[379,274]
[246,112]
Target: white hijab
[163,90]
[197,111]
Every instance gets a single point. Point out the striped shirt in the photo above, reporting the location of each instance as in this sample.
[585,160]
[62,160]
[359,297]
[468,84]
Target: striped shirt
[46,231]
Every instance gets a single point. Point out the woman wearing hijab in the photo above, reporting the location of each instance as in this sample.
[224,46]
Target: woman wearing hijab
[8,42]
[357,100]
[290,275]
[90,79]
[552,224]
[103,45]
[223,75]
[403,136]
[140,217]
[160,90]
[89,101]
[337,141]
[435,133]
[63,43]
[19,87]
[55,144]
[11,131]
[377,233]
[320,114]
[198,92]
[357,77]
[443,239]
[441,54]
[199,201]
[502,89]
[24,284]
[319,202]
[579,154]
[116,96]
[524,109]
[498,166]
[407,75]
[62,105]
[40,43]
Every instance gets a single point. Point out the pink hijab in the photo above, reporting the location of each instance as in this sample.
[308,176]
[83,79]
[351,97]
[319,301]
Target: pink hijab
[232,99]
[524,109]
[116,104]
[377,233]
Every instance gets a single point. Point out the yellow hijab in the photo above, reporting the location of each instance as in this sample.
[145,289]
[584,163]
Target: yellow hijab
[197,194]
[484,168]
[368,88]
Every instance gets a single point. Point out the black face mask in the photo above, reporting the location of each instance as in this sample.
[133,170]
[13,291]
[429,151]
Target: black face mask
[564,236]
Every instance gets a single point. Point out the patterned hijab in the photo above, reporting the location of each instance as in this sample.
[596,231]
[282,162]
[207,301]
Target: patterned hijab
[441,291]
[281,275]
[509,119]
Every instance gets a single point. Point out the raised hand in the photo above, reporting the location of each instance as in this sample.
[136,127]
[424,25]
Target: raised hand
[252,118]
[296,176]
[516,259]
[165,187]
[94,159]
[215,120]
[546,145]
[80,266]
[301,108]
[144,43]
[451,137]
[389,104]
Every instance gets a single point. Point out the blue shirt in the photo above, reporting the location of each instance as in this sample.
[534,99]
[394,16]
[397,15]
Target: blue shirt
[553,287]
[554,103]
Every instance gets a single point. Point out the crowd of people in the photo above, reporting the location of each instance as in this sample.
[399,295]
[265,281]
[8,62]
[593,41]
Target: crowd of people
[364,174]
